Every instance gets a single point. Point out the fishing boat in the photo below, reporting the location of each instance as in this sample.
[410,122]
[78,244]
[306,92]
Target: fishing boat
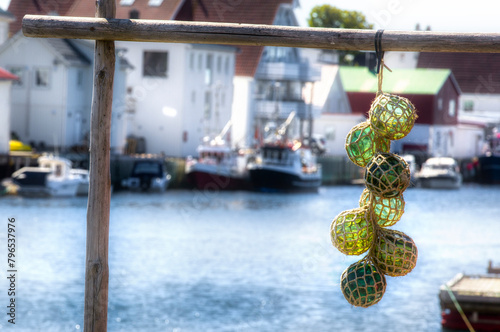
[489,162]
[471,302]
[284,165]
[440,173]
[219,166]
[54,177]
[147,175]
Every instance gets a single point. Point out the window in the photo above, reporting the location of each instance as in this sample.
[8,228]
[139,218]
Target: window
[294,90]
[222,99]
[208,106]
[42,77]
[209,69]
[200,62]
[155,3]
[219,64]
[226,66]
[19,72]
[155,64]
[468,104]
[133,14]
[191,61]
[79,78]
[451,108]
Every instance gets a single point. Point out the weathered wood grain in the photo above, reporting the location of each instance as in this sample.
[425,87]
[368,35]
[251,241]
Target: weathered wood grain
[248,34]
[96,270]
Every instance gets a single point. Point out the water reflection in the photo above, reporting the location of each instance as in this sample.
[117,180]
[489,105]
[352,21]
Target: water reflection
[194,261]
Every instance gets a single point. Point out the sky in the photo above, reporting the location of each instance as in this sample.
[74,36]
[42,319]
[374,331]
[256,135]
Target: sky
[440,15]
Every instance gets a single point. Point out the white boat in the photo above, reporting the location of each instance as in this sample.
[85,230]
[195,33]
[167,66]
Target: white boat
[410,160]
[284,165]
[147,175]
[439,172]
[219,166]
[54,177]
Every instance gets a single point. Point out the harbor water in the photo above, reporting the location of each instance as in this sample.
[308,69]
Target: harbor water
[189,260]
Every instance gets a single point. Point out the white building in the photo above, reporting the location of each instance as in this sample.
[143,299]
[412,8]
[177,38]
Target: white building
[5,19]
[179,94]
[273,84]
[51,102]
[6,80]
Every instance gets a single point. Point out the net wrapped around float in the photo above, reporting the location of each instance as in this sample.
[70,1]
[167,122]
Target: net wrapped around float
[363,229]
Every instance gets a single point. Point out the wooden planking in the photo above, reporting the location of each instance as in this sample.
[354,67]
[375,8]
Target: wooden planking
[480,286]
[257,35]
[98,206]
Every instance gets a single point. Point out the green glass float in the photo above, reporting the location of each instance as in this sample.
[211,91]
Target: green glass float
[394,253]
[387,175]
[387,211]
[392,116]
[362,143]
[381,204]
[363,284]
[352,231]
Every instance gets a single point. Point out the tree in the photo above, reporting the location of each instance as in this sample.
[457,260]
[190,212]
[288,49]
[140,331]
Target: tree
[326,16]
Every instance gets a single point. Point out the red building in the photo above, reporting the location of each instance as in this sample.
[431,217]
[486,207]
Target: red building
[433,92]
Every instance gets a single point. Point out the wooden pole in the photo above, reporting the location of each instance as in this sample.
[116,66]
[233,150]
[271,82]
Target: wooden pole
[248,34]
[96,270]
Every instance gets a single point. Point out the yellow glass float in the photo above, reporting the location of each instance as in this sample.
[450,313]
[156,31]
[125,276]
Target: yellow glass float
[392,116]
[352,231]
[394,253]
[387,211]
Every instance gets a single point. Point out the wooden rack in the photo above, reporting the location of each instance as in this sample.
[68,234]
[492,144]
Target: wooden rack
[105,29]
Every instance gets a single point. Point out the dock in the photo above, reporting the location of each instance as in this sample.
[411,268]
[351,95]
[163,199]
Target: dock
[477,297]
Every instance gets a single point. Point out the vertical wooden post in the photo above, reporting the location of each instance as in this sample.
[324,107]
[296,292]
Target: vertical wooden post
[96,270]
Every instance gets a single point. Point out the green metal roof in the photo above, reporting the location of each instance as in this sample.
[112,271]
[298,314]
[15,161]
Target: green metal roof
[409,81]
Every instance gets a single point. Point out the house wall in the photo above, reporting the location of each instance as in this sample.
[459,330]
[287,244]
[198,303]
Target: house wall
[158,100]
[396,60]
[361,102]
[4,30]
[483,105]
[328,95]
[469,141]
[206,117]
[174,113]
[418,137]
[430,109]
[242,117]
[57,115]
[446,105]
[82,99]
[118,114]
[78,105]
[335,127]
[5,88]
[38,113]
[442,141]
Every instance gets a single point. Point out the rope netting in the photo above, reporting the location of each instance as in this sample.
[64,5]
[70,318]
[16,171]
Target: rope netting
[381,205]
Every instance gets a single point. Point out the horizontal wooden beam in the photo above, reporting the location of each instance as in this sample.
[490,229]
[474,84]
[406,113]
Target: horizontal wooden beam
[257,35]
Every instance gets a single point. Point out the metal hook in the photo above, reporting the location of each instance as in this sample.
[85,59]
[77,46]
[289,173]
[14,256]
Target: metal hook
[378,48]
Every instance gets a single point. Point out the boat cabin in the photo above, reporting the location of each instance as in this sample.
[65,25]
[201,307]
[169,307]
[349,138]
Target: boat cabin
[59,167]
